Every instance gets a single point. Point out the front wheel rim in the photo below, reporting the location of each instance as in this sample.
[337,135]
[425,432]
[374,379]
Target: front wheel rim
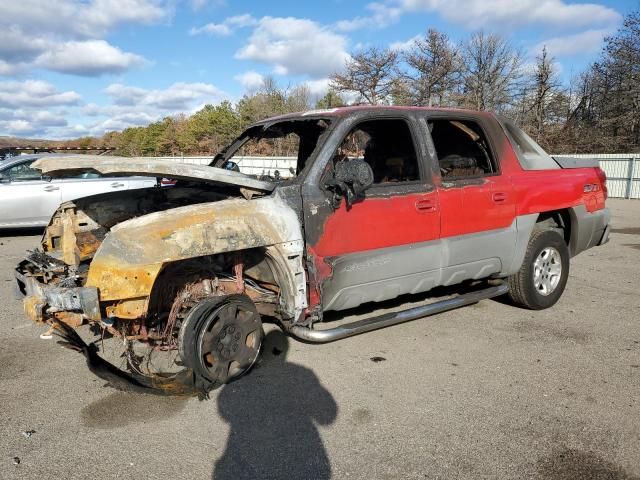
[547,271]
[229,342]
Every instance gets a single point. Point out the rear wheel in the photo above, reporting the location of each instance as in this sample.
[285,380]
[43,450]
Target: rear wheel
[220,339]
[543,275]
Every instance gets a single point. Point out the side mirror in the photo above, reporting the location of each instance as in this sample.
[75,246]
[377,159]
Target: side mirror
[350,180]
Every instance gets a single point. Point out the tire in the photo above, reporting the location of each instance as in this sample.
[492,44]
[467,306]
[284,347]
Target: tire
[544,272]
[220,339]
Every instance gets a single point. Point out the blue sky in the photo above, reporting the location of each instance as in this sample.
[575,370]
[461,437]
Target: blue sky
[82,67]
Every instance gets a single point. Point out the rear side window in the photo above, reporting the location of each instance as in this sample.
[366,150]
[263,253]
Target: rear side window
[462,149]
[386,145]
[530,155]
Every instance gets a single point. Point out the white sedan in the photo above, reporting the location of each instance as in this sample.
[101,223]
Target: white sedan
[29,199]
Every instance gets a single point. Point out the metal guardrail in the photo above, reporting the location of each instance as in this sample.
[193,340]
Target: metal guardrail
[622,169]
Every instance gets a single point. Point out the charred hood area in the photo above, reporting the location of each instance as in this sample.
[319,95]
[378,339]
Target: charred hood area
[78,227]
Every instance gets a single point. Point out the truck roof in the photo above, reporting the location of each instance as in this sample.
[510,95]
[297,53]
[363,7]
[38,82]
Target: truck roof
[364,109]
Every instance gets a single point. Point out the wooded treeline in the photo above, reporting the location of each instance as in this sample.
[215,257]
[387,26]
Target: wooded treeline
[598,111]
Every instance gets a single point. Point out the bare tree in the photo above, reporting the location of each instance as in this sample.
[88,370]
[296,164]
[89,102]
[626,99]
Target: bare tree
[606,110]
[434,68]
[491,70]
[546,84]
[371,74]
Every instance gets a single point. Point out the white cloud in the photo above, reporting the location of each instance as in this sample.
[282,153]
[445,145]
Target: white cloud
[91,19]
[10,69]
[120,122]
[211,29]
[16,46]
[250,80]
[178,97]
[318,88]
[589,41]
[225,28]
[34,93]
[406,45]
[66,35]
[33,107]
[480,13]
[134,106]
[295,46]
[18,127]
[198,4]
[382,15]
[507,12]
[88,58]
[30,121]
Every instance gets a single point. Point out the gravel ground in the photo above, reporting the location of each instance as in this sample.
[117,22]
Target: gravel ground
[488,391]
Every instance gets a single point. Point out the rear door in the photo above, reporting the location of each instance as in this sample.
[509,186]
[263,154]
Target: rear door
[476,200]
[386,244]
[90,183]
[26,198]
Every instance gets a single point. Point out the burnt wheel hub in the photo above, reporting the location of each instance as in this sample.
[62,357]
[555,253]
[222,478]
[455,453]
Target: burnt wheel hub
[221,337]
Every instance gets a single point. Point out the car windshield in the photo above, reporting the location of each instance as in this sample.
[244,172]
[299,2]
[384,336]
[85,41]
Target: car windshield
[277,150]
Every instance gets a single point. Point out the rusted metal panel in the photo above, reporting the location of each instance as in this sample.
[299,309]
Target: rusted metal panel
[134,252]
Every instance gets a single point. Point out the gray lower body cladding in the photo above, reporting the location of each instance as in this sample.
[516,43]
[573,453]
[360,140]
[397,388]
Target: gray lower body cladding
[589,229]
[383,274]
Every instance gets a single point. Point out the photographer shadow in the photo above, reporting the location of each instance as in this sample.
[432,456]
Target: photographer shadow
[273,414]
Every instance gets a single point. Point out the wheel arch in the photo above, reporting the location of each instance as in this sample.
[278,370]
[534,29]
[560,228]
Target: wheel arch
[560,220]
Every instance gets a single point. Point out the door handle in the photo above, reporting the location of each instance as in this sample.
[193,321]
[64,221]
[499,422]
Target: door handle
[117,184]
[51,188]
[425,206]
[499,197]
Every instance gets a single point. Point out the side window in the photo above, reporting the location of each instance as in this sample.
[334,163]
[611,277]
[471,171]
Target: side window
[462,148]
[22,172]
[530,154]
[387,146]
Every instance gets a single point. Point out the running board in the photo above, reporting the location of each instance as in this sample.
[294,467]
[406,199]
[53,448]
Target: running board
[394,318]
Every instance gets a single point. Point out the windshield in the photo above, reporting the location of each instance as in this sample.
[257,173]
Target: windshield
[275,151]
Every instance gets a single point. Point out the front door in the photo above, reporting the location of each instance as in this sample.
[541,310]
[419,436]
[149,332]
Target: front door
[386,244]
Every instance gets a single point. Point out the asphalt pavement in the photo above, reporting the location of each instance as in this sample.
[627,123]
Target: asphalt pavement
[487,391]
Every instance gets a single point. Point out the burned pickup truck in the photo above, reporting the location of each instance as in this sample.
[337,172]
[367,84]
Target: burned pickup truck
[380,202]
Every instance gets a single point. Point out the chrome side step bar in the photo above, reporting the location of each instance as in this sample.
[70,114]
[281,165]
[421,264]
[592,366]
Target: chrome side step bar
[394,318]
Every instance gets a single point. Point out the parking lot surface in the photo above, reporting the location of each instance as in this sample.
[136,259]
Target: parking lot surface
[488,391]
